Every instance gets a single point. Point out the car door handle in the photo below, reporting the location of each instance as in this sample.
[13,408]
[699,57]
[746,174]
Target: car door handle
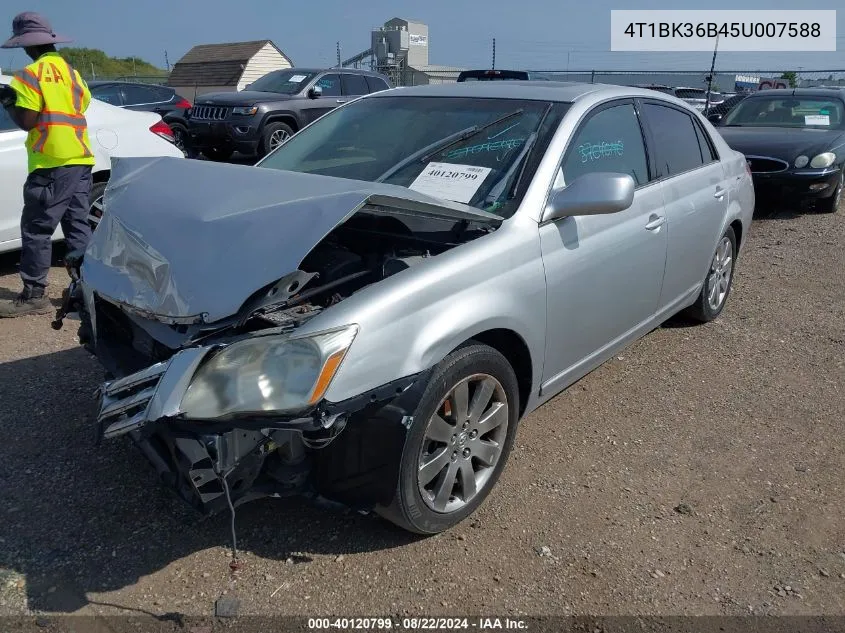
[720,193]
[654,222]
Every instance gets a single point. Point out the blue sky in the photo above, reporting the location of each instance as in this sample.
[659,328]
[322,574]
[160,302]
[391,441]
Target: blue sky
[530,34]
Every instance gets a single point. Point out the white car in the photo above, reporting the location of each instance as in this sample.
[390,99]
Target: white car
[114,132]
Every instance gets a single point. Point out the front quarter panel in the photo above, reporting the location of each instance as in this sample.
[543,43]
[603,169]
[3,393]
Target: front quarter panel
[412,320]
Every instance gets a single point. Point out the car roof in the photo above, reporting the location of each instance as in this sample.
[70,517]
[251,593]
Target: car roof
[115,82]
[354,71]
[559,91]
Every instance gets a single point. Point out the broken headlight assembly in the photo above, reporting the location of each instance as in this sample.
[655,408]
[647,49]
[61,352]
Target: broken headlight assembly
[267,375]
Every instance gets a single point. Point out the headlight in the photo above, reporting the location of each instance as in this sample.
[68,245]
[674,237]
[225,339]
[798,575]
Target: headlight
[247,111]
[801,161]
[267,374]
[823,160]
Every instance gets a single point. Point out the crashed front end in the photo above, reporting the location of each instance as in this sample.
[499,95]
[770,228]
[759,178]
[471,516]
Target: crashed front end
[195,304]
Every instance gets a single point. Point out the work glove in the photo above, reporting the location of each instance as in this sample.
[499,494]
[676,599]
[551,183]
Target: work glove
[8,97]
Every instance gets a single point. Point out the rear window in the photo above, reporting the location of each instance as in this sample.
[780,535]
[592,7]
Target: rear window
[675,138]
[691,93]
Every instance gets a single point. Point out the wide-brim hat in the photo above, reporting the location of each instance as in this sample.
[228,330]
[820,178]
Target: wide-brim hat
[32,29]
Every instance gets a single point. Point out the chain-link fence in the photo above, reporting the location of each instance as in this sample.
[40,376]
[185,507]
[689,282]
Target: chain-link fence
[724,81]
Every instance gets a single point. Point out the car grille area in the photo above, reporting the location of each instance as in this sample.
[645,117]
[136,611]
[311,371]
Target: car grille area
[766,165]
[124,402]
[209,113]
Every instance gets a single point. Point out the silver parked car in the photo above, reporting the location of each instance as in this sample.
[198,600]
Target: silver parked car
[368,313]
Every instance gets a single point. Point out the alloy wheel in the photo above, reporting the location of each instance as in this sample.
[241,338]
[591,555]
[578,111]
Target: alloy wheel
[95,212]
[719,280]
[277,138]
[463,443]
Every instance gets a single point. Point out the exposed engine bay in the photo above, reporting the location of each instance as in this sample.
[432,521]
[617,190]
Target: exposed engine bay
[344,451]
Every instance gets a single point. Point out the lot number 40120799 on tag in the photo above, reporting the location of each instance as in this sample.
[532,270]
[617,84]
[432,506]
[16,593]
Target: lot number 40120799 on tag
[450,182]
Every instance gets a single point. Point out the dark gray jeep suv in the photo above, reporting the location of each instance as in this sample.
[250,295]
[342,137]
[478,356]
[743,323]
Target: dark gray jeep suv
[271,109]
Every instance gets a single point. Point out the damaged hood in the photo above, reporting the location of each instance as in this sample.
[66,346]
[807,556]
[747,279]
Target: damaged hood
[190,239]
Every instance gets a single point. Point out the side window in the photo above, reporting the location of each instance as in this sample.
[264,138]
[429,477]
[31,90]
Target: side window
[375,84]
[163,95]
[139,95]
[109,94]
[708,151]
[330,85]
[6,123]
[612,141]
[675,139]
[354,85]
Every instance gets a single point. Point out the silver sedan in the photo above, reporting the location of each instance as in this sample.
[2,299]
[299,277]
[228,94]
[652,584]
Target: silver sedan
[368,313]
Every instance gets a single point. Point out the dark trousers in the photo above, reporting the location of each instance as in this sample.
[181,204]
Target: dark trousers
[52,197]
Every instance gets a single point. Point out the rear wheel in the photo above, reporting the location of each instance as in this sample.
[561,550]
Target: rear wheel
[459,442]
[218,153]
[180,139]
[829,205]
[95,209]
[717,285]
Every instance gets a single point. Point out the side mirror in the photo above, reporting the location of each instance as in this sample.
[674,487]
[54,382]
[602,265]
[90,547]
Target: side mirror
[315,93]
[591,194]
[714,118]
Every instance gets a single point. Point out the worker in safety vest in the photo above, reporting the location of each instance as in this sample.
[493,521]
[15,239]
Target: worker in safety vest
[48,99]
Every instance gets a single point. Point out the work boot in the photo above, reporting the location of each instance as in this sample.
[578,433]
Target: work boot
[30,301]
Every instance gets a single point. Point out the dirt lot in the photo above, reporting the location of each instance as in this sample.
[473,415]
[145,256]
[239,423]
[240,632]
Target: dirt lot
[700,472]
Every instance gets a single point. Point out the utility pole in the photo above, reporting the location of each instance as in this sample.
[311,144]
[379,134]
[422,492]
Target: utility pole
[710,77]
[93,74]
[166,62]
[494,54]
[338,54]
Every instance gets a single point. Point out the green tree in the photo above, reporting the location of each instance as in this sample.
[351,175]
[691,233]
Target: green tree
[792,77]
[92,62]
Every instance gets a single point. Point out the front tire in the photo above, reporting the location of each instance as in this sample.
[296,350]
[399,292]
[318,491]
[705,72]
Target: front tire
[458,444]
[717,284]
[831,204]
[274,134]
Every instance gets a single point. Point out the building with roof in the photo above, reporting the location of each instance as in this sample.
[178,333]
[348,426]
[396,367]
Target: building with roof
[225,67]
[399,49]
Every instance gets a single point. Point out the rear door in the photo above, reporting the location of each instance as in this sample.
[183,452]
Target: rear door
[695,192]
[354,86]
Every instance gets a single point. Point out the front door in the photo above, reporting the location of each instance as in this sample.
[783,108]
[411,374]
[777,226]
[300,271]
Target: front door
[313,109]
[603,272]
[12,176]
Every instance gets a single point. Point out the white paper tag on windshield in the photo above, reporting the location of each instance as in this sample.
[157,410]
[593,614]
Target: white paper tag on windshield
[296,79]
[450,182]
[817,119]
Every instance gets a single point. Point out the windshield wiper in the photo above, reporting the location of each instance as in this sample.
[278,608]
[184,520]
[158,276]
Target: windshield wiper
[496,192]
[425,153]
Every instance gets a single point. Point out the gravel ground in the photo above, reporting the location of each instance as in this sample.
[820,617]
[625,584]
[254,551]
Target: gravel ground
[699,473]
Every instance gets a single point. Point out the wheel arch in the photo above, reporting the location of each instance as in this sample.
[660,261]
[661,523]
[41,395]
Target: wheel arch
[515,350]
[281,117]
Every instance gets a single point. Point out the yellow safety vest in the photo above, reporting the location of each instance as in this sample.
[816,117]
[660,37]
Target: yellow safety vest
[58,93]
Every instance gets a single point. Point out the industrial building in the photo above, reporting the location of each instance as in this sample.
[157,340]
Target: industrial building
[399,50]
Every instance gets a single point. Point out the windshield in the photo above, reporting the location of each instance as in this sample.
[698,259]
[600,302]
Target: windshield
[435,145]
[787,111]
[286,82]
